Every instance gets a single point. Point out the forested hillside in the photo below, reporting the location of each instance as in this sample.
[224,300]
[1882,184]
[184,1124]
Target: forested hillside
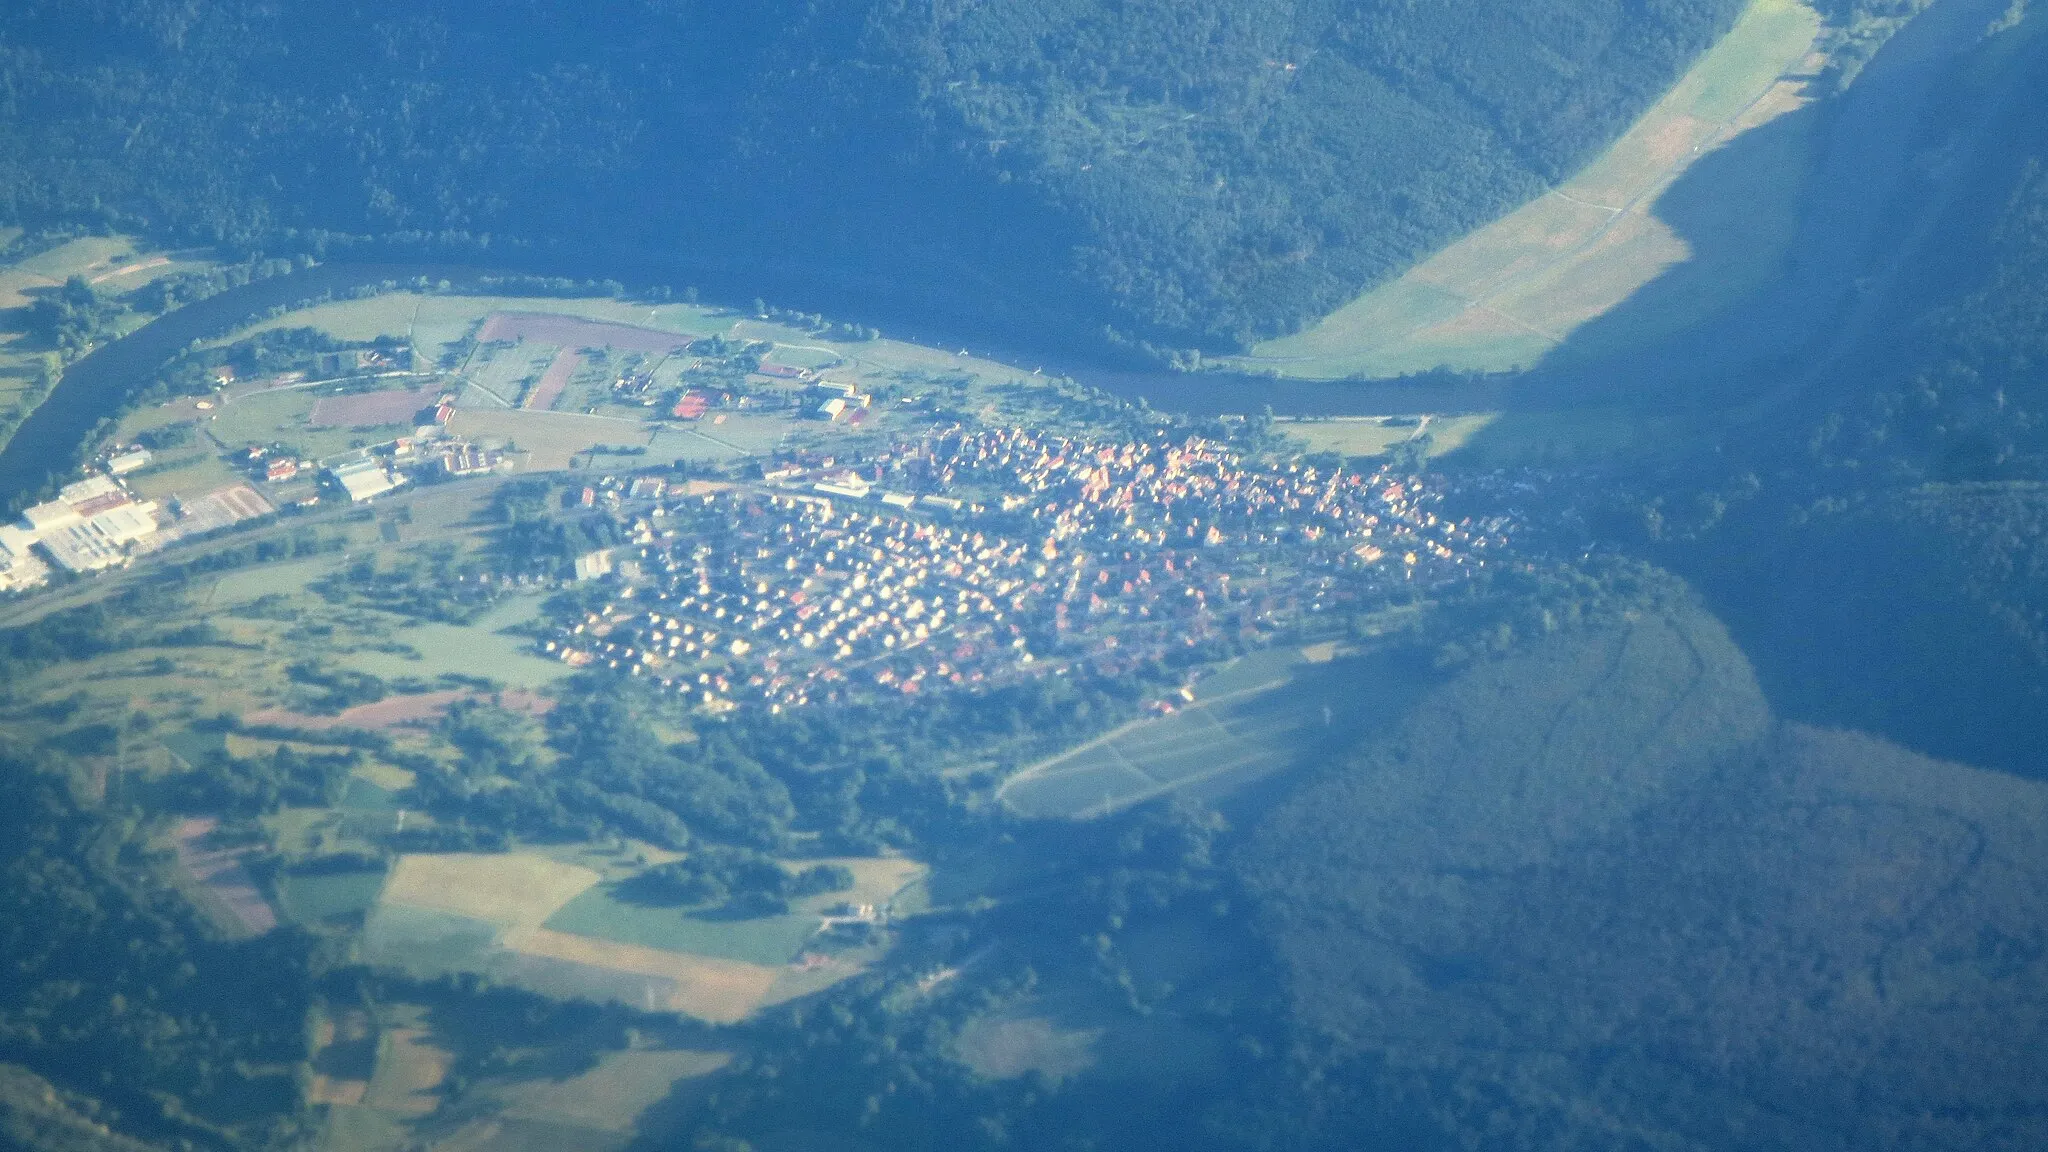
[1592,897]
[1881,556]
[1197,172]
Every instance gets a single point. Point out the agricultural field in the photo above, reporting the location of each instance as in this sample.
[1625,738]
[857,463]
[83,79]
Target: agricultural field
[486,647]
[535,920]
[1509,293]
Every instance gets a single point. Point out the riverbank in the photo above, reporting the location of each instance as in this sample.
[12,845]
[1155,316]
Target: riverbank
[101,385]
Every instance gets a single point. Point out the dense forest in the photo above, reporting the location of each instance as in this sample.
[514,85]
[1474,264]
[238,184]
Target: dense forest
[1204,172]
[1872,535]
[116,990]
[1593,896]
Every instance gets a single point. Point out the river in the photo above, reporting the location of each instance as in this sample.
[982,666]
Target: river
[103,381]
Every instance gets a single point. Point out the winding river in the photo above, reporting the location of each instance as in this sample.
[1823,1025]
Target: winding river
[102,382]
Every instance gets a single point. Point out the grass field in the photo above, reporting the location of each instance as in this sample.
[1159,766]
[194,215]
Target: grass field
[1005,1047]
[547,924]
[287,416]
[463,650]
[601,912]
[611,1096]
[191,473]
[409,1067]
[551,439]
[510,889]
[335,896]
[438,323]
[1511,291]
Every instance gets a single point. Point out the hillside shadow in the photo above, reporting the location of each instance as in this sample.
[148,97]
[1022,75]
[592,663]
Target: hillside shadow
[1778,281]
[1748,291]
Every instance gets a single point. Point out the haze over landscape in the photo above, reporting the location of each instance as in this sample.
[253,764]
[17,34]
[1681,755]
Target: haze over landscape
[896,574]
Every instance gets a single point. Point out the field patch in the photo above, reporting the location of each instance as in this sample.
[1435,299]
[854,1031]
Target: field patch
[226,890]
[611,1096]
[313,898]
[548,925]
[605,912]
[509,889]
[1504,295]
[1006,1047]
[549,388]
[475,649]
[707,987]
[396,406]
[422,709]
[550,439]
[410,1070]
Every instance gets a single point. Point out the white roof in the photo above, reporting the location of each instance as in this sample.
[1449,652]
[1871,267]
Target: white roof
[47,518]
[90,488]
[15,541]
[363,484]
[356,468]
[125,522]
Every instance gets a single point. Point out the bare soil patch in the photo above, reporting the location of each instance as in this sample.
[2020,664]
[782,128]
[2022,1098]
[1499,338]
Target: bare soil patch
[549,388]
[720,991]
[370,409]
[221,877]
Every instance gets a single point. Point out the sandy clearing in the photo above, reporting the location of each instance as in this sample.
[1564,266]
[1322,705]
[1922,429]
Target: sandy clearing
[720,991]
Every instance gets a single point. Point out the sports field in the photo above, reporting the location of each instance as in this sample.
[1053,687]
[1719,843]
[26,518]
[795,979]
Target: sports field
[1251,719]
[1374,436]
[1508,293]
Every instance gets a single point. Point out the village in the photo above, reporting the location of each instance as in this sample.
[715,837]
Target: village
[976,556]
[885,558]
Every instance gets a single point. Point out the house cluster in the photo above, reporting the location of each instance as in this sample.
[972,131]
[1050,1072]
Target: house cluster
[97,523]
[783,599]
[973,557]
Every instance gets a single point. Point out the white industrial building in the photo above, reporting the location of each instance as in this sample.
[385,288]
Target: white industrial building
[19,567]
[364,479]
[101,540]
